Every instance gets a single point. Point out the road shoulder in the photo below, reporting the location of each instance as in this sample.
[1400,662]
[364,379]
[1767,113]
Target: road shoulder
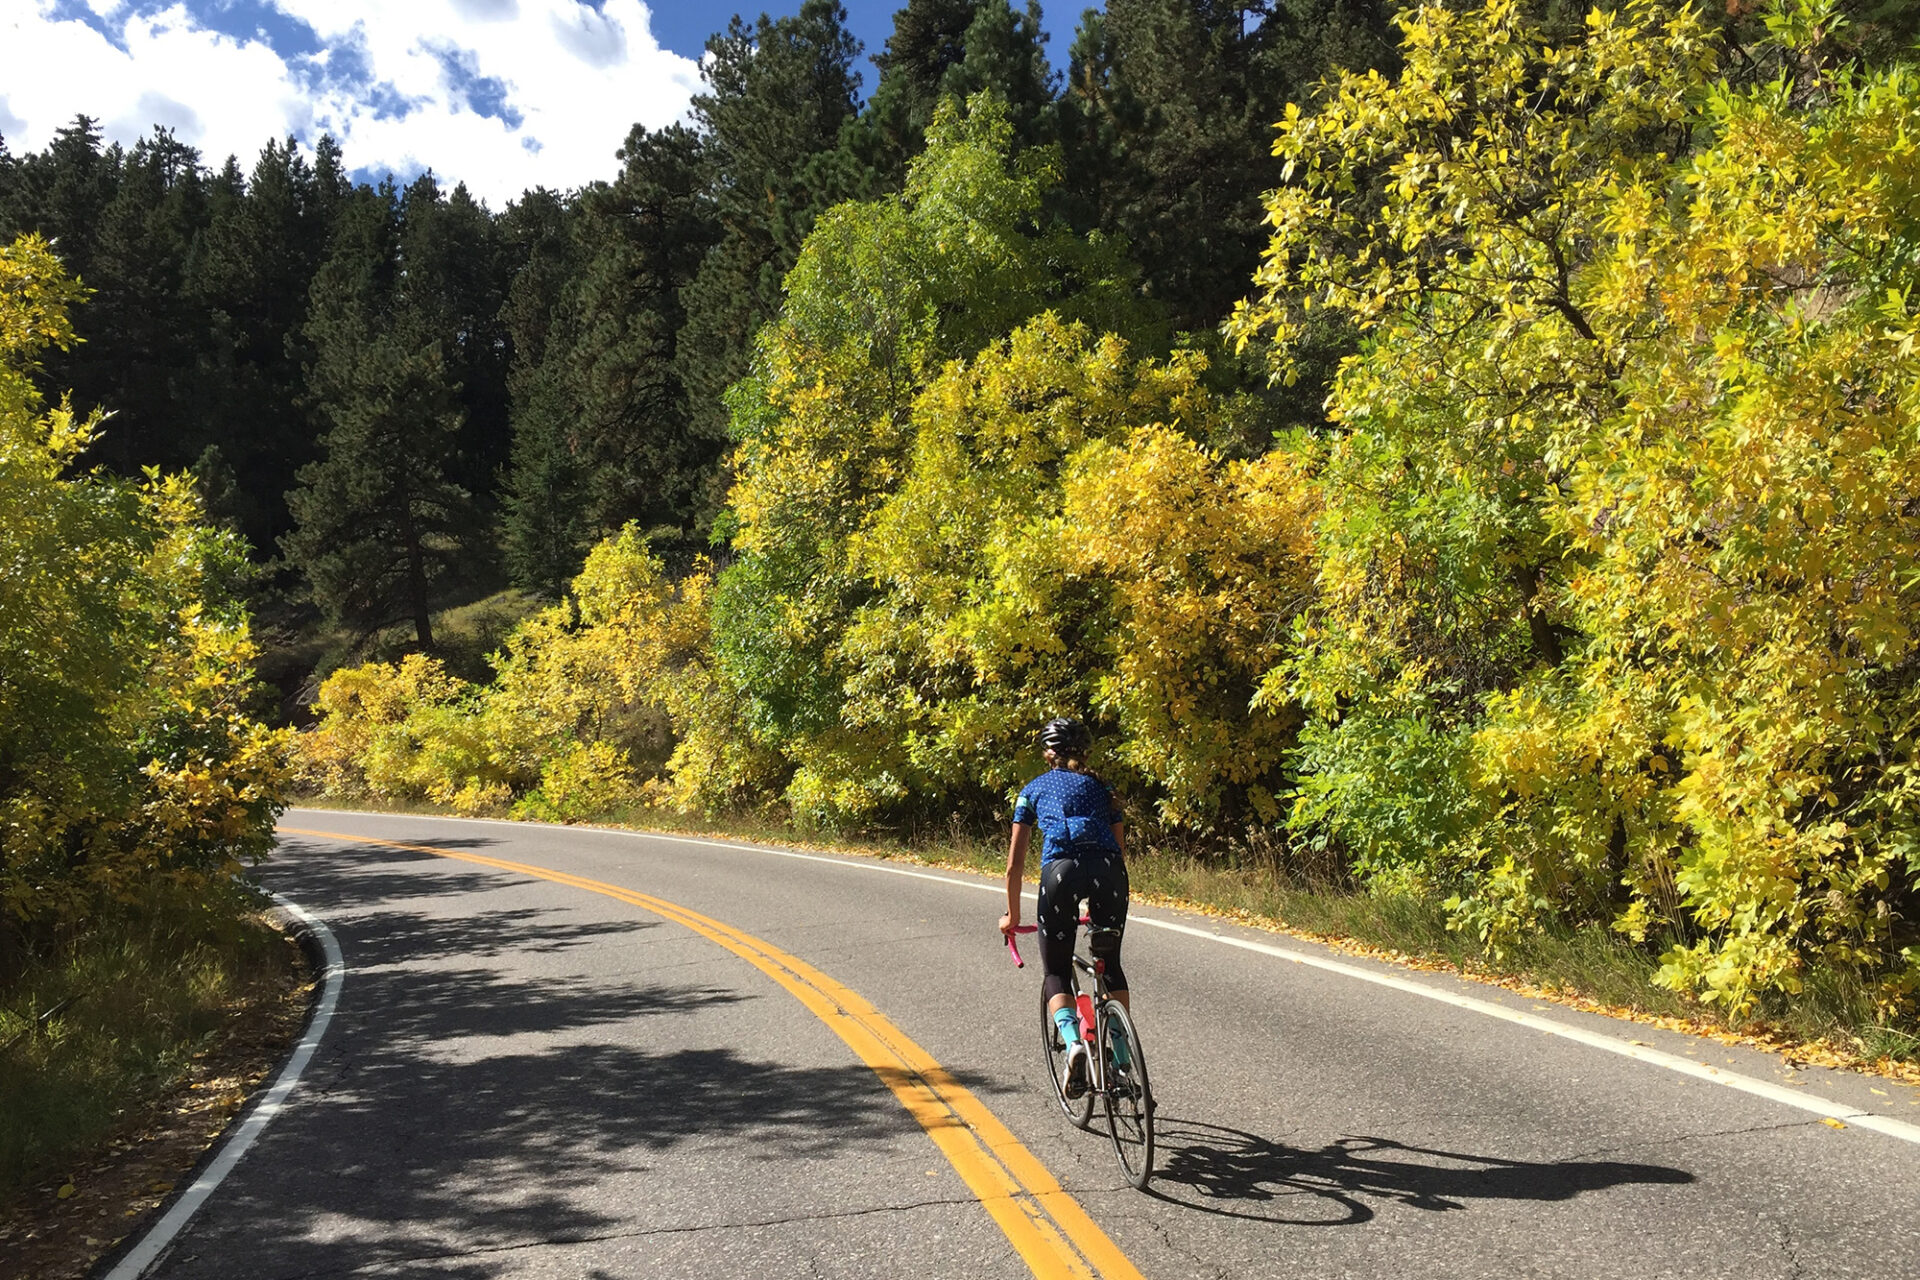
[120,1186]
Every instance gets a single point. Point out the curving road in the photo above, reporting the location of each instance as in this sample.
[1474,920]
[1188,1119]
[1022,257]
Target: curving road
[685,1058]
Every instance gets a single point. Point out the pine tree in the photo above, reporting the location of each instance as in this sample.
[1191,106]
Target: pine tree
[544,529]
[250,274]
[650,231]
[61,192]
[1170,111]
[142,328]
[542,525]
[601,423]
[454,275]
[778,97]
[379,523]
[943,49]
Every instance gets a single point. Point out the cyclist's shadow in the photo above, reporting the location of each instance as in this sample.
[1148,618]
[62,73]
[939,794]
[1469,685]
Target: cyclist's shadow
[1236,1174]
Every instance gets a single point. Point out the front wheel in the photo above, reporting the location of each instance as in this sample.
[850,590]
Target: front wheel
[1129,1097]
[1053,1056]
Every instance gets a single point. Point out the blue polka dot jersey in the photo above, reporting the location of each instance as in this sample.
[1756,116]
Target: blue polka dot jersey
[1075,813]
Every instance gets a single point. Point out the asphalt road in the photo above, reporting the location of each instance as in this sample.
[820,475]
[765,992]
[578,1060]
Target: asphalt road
[527,1078]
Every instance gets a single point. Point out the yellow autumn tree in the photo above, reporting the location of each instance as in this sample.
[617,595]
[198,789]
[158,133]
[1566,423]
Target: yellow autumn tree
[1750,560]
[1209,562]
[1615,568]
[130,759]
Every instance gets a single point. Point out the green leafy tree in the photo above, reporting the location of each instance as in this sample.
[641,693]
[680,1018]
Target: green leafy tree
[1448,211]
[884,294]
[128,763]
[1612,617]
[1060,543]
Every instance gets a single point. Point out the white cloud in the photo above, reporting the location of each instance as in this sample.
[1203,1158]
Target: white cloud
[500,94]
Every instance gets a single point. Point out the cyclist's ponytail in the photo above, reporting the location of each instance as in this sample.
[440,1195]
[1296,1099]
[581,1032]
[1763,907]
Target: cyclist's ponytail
[1066,760]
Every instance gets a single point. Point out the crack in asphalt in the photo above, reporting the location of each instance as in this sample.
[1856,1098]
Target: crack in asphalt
[1692,1137]
[1796,1271]
[1169,1238]
[563,1241]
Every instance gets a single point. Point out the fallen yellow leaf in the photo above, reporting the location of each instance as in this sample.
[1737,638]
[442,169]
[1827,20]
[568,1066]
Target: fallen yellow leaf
[66,1191]
[1831,1123]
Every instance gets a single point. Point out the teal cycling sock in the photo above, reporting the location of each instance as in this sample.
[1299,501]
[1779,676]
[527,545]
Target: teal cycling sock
[1068,1024]
[1120,1050]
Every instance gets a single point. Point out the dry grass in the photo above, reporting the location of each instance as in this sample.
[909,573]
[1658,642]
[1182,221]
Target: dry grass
[115,1019]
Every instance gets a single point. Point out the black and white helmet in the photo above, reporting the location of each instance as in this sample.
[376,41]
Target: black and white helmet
[1065,737]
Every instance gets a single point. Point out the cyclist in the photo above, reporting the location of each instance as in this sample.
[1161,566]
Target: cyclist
[1082,856]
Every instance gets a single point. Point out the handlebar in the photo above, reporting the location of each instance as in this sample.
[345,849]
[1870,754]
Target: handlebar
[1014,947]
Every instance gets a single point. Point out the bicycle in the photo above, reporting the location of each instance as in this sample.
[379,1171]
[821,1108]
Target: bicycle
[1124,1089]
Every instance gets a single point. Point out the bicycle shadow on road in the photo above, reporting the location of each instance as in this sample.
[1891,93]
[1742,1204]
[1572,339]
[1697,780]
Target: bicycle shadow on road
[1235,1174]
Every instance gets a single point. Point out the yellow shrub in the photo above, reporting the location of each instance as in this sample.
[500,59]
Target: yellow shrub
[590,700]
[360,744]
[1208,561]
[588,780]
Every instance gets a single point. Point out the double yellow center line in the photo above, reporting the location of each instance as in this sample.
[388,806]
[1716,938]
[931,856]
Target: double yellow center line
[1046,1225]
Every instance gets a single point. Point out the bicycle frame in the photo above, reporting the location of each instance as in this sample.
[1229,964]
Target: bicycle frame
[1085,1006]
[1119,1086]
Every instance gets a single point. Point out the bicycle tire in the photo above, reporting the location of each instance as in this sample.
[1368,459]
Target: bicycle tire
[1128,1095]
[1053,1057]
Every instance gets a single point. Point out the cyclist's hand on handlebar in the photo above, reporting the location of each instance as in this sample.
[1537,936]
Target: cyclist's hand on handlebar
[1008,924]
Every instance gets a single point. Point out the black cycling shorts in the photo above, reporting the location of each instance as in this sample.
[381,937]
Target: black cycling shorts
[1064,882]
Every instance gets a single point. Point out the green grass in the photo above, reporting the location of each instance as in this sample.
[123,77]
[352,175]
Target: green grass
[148,991]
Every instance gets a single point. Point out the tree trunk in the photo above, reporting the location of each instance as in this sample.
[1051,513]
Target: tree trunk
[416,576]
[1546,642]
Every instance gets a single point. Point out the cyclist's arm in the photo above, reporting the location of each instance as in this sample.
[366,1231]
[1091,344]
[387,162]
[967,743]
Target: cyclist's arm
[1119,839]
[1016,873]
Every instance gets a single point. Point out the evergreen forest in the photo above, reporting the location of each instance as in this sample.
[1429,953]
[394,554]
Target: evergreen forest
[1471,444]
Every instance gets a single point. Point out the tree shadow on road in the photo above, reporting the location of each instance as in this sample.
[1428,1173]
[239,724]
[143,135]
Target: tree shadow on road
[1236,1174]
[490,1084]
[398,904]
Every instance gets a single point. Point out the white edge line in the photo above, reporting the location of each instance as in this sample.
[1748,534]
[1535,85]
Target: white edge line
[143,1255]
[1819,1106]
[1592,1039]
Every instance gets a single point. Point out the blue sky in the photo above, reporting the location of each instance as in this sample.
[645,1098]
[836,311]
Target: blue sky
[684,28]
[500,94]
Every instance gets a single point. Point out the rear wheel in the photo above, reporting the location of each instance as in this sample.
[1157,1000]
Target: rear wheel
[1054,1057]
[1128,1097]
